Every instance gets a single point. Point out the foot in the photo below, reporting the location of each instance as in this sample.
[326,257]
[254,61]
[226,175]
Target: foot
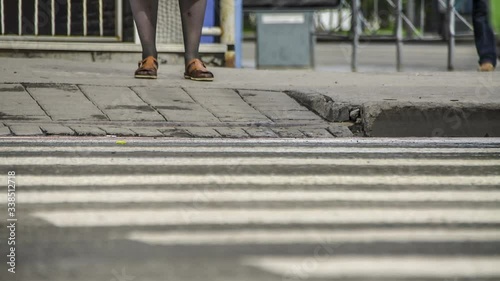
[148,68]
[197,71]
[486,67]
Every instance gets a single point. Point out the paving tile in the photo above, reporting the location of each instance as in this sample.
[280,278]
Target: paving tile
[203,132]
[175,133]
[197,114]
[278,105]
[340,131]
[245,117]
[4,130]
[292,115]
[17,104]
[261,132]
[57,129]
[175,104]
[88,131]
[288,132]
[26,130]
[147,132]
[316,133]
[117,131]
[226,104]
[232,132]
[65,102]
[270,99]
[121,104]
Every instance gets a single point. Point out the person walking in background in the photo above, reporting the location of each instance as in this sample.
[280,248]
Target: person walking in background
[484,36]
[145,14]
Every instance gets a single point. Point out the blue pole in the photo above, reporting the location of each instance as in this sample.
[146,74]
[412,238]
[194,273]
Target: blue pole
[238,10]
[209,21]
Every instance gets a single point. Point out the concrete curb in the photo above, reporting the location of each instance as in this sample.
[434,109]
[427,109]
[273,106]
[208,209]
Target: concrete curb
[323,105]
[431,120]
[408,119]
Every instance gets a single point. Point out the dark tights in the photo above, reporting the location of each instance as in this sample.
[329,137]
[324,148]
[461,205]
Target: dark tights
[145,15]
[192,16]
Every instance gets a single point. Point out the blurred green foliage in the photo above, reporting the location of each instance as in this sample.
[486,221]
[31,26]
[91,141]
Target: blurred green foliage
[495,14]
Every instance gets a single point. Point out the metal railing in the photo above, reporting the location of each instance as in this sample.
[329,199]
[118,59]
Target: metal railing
[66,23]
[358,19]
[49,16]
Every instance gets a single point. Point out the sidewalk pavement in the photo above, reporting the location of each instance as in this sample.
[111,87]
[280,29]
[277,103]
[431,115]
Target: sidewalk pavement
[57,97]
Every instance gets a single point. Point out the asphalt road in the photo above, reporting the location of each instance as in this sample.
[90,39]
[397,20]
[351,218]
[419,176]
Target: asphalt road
[150,209]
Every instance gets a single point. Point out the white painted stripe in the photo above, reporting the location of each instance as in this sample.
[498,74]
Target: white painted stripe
[295,180]
[188,216]
[200,141]
[205,196]
[243,161]
[221,149]
[378,267]
[318,236]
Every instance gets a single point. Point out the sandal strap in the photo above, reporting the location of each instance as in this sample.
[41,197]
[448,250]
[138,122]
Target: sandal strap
[146,61]
[195,64]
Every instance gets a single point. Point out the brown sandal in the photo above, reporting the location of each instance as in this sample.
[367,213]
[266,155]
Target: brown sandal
[148,68]
[197,71]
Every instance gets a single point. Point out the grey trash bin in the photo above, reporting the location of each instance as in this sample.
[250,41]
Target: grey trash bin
[285,31]
[285,39]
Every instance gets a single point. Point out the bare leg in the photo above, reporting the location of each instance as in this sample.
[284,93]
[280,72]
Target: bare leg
[145,15]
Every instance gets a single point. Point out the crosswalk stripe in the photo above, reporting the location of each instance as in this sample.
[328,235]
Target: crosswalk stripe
[374,267]
[287,141]
[211,179]
[249,195]
[188,216]
[287,220]
[242,161]
[235,149]
[290,236]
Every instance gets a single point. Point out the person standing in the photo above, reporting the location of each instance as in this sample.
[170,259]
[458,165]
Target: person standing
[484,36]
[145,14]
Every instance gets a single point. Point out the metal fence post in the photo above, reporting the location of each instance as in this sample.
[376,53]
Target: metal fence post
[422,16]
[355,19]
[238,32]
[451,34]
[410,16]
[228,22]
[119,19]
[399,35]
